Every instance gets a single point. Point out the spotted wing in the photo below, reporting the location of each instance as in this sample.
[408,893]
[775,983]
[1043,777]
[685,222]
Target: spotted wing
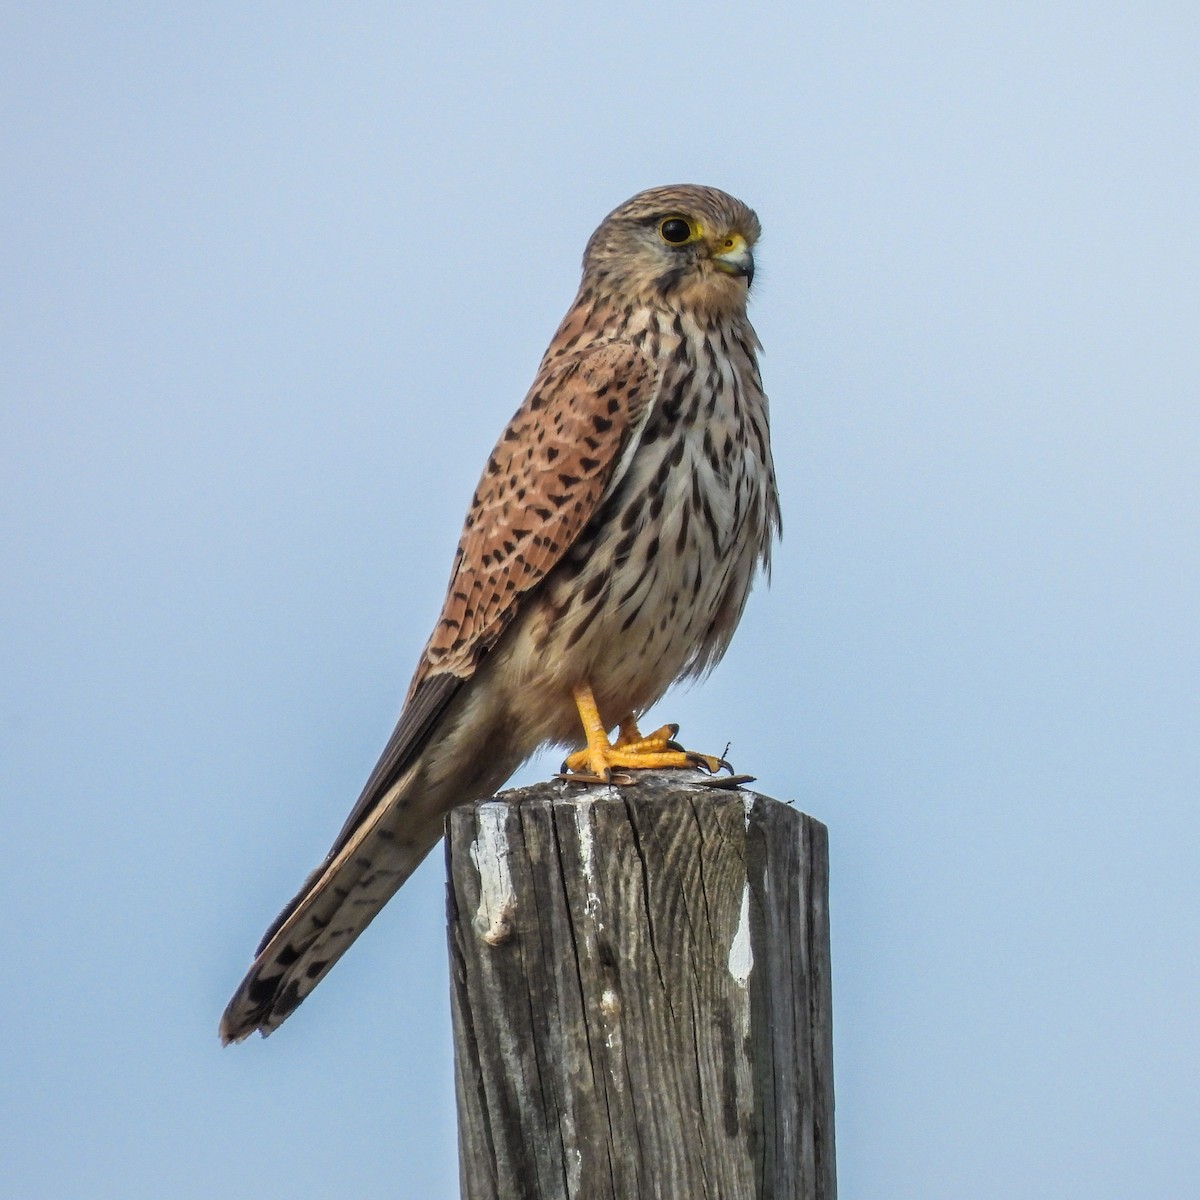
[565,447]
[561,453]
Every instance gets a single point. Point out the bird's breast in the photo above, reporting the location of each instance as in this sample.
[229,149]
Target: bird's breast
[653,589]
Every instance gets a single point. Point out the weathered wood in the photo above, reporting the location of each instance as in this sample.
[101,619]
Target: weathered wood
[641,995]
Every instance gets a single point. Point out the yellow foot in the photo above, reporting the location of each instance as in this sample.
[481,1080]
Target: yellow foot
[599,760]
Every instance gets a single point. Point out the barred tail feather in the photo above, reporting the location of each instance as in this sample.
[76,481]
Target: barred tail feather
[338,901]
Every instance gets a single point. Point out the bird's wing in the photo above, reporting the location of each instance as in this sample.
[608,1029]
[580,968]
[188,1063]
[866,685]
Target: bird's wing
[562,452]
[565,448]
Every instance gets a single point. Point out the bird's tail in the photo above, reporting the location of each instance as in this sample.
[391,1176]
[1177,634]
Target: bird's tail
[451,746]
[337,902]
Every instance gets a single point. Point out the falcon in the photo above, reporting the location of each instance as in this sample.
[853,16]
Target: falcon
[607,553]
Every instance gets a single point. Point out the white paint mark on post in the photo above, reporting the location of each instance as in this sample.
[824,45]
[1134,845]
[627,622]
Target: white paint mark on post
[587,858]
[748,800]
[489,853]
[741,953]
[610,1009]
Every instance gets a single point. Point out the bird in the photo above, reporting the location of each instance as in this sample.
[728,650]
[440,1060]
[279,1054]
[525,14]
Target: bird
[607,553]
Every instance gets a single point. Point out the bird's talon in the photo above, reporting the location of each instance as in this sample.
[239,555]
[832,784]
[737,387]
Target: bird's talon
[601,760]
[706,762]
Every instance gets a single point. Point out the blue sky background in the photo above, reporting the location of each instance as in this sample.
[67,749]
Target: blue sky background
[273,278]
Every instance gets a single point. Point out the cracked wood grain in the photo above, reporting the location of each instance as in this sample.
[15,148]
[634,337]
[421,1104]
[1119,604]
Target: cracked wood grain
[656,1019]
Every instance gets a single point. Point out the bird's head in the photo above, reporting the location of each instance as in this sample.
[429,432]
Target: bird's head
[692,247]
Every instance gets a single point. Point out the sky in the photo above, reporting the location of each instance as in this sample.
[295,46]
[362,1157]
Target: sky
[273,278]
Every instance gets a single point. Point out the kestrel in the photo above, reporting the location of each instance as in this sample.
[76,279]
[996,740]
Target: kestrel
[607,553]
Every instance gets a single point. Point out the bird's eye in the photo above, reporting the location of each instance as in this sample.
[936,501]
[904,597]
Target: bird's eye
[676,231]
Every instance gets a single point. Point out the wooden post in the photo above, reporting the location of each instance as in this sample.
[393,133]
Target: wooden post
[641,994]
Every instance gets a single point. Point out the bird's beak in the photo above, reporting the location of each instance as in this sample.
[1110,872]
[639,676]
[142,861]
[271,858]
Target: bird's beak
[734,257]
